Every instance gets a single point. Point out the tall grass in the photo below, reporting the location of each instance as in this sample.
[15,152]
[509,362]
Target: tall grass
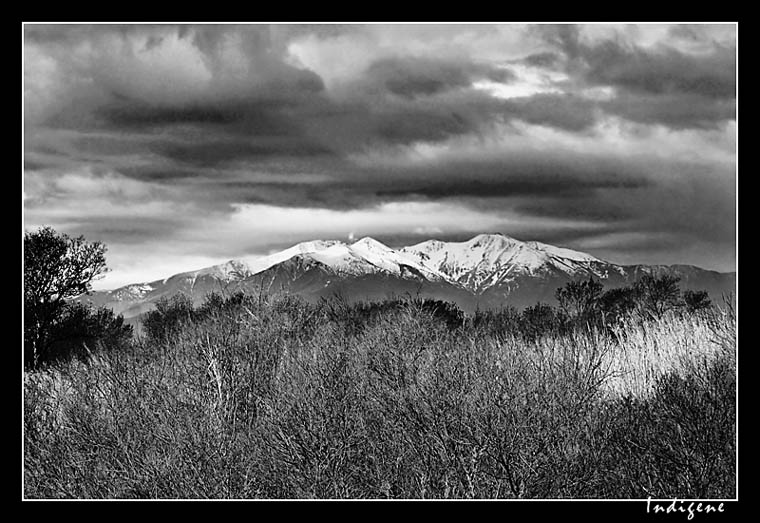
[281,399]
[677,343]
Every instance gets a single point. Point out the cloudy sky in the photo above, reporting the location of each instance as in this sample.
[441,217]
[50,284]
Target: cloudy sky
[184,146]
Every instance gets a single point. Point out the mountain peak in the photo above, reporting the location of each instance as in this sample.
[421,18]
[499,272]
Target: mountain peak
[497,240]
[489,235]
[369,242]
[494,258]
[315,245]
[257,264]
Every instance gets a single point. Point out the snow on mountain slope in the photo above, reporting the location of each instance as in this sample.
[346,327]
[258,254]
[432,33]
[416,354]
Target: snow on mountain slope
[475,265]
[481,272]
[366,256]
[561,252]
[341,259]
[259,264]
[489,259]
[390,260]
[133,292]
[231,270]
[244,267]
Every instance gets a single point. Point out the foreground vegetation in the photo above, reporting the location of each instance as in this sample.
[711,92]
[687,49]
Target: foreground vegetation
[248,397]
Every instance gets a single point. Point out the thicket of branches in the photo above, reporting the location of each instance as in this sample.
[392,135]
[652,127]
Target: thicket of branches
[278,398]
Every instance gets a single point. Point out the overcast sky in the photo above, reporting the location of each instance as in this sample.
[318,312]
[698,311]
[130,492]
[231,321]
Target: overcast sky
[184,146]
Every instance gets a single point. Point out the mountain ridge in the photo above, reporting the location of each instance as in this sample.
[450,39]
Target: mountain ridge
[488,270]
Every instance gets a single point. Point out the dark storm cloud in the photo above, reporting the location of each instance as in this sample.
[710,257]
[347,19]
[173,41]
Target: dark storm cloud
[264,48]
[700,33]
[68,34]
[36,165]
[413,77]
[222,72]
[157,174]
[662,72]
[432,100]
[527,175]
[519,185]
[60,34]
[696,206]
[565,37]
[211,133]
[267,111]
[328,127]
[213,152]
[653,211]
[138,115]
[215,180]
[685,111]
[565,111]
[354,126]
[547,60]
[691,32]
[322,125]
[586,206]
[439,101]
[427,125]
[650,82]
[288,99]
[659,85]
[568,184]
[133,231]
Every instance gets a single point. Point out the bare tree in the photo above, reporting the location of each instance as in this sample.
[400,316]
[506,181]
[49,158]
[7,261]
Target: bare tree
[579,298]
[658,294]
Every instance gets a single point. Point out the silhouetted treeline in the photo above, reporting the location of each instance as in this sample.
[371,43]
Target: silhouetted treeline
[582,305]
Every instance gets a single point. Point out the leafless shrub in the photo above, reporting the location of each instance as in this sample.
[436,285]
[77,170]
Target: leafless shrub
[277,398]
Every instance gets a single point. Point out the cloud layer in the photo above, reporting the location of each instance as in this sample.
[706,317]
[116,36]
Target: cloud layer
[205,142]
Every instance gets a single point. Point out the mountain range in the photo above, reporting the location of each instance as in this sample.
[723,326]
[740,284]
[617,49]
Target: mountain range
[489,270]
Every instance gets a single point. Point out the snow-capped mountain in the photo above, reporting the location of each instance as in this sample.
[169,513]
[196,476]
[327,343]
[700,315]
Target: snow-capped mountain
[490,259]
[489,270]
[366,256]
